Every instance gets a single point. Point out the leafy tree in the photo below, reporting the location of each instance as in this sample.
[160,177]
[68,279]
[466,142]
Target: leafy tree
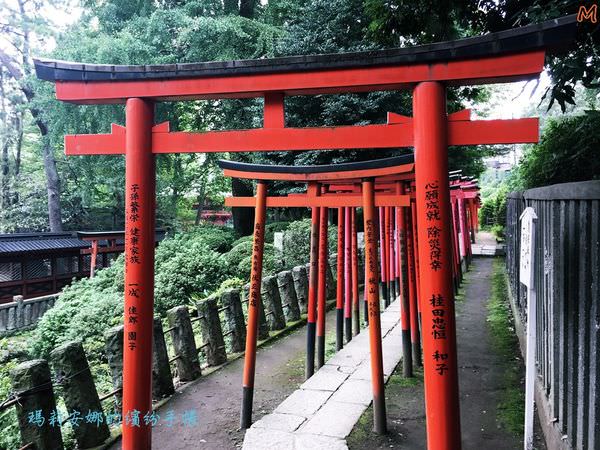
[567,152]
[19,26]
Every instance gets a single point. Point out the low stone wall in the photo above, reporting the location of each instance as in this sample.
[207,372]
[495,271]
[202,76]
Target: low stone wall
[199,337]
[22,314]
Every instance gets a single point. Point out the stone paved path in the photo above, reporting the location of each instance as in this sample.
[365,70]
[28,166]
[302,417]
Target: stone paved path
[324,410]
[216,398]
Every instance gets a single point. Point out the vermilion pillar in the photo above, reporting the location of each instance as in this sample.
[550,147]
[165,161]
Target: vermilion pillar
[455,237]
[322,286]
[339,300]
[370,220]
[405,309]
[437,298]
[140,186]
[355,296]
[464,233]
[388,254]
[348,274]
[415,335]
[415,242]
[312,293]
[254,304]
[382,252]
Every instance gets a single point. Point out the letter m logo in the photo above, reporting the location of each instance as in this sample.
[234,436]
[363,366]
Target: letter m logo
[590,13]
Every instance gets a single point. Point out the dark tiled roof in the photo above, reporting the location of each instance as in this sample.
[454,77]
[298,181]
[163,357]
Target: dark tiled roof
[39,242]
[42,242]
[38,245]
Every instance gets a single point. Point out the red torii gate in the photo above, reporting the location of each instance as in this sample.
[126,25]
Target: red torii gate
[500,57]
[328,186]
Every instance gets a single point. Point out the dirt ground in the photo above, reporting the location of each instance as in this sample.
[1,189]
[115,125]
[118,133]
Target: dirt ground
[481,386]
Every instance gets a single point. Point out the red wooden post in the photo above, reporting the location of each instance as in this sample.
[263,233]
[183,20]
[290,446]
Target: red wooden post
[463,230]
[370,220]
[437,299]
[322,286]
[386,249]
[348,274]
[415,241]
[355,293]
[140,186]
[93,257]
[383,279]
[455,257]
[396,248]
[405,309]
[254,304]
[472,214]
[339,300]
[365,295]
[312,290]
[455,237]
[415,334]
[389,228]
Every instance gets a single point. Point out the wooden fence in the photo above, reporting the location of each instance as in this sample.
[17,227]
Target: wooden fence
[567,283]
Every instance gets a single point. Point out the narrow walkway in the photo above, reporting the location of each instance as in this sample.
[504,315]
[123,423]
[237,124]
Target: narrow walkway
[480,381]
[486,245]
[324,410]
[216,398]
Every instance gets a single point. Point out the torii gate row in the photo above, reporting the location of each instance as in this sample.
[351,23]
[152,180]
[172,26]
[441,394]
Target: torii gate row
[319,179]
[335,184]
[343,189]
[506,56]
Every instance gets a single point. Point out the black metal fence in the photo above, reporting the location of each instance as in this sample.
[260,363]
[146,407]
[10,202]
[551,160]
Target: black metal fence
[567,283]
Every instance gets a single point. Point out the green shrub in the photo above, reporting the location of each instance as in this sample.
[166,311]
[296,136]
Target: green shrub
[186,264]
[493,209]
[9,437]
[218,239]
[238,261]
[193,269]
[274,227]
[296,242]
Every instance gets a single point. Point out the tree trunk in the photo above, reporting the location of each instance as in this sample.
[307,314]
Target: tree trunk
[19,143]
[231,6]
[200,205]
[247,8]
[53,186]
[243,218]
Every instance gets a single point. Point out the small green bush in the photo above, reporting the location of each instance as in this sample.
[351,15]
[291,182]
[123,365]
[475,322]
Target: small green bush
[238,261]
[296,242]
[274,227]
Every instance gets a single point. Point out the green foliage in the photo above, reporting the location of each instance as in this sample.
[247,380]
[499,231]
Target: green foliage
[83,312]
[274,227]
[186,265]
[567,152]
[493,209]
[238,261]
[511,407]
[296,242]
[9,437]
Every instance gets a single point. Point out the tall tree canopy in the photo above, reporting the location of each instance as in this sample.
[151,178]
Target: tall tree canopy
[87,192]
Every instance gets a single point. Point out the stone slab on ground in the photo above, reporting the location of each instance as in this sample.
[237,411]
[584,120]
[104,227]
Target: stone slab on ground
[323,411]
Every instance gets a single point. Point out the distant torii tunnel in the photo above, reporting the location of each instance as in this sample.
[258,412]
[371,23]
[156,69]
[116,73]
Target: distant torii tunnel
[428,70]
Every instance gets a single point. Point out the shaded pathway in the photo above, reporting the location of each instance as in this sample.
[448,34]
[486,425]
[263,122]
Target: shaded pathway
[216,398]
[480,383]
